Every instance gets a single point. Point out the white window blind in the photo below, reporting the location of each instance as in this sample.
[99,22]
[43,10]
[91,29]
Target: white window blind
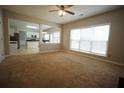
[91,40]
[75,38]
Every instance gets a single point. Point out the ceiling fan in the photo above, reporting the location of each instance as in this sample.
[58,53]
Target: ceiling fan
[62,10]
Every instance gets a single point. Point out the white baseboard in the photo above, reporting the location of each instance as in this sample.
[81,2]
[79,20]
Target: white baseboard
[96,58]
[49,51]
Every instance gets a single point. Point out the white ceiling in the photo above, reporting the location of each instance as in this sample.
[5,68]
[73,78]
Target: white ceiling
[41,11]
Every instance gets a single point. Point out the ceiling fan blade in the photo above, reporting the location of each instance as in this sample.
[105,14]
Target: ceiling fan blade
[59,6]
[53,10]
[64,6]
[68,6]
[72,13]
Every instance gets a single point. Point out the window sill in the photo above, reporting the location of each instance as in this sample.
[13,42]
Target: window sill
[87,52]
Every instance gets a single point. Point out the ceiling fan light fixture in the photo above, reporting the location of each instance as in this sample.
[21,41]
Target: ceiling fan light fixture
[61,13]
[64,12]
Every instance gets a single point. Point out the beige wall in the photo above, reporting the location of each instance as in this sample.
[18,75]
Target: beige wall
[1,38]
[116,39]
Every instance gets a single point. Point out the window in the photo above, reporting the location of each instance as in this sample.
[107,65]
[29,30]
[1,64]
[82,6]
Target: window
[75,38]
[55,37]
[91,40]
[46,36]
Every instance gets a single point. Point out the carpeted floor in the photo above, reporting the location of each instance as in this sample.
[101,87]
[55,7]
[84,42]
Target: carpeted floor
[58,69]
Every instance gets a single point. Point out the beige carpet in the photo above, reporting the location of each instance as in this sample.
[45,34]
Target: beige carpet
[58,69]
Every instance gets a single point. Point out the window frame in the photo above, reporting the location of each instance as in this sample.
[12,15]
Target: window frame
[90,52]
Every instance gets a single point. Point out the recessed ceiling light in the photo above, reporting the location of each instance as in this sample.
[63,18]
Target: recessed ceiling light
[33,27]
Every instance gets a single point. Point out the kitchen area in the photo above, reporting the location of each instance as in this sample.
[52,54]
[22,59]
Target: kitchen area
[32,40]
[29,38]
[24,37]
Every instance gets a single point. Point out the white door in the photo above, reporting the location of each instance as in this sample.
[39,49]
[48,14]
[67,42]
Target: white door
[1,39]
